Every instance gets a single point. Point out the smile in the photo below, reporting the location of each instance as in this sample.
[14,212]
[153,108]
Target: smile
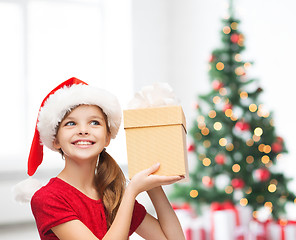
[83,143]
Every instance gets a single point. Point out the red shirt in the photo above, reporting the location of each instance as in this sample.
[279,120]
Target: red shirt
[59,202]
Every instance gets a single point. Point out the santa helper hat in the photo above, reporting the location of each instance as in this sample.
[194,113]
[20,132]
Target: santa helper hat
[55,105]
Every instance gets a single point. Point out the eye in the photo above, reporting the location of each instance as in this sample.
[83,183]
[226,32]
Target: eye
[70,123]
[94,122]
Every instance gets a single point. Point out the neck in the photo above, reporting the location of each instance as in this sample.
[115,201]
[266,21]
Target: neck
[80,175]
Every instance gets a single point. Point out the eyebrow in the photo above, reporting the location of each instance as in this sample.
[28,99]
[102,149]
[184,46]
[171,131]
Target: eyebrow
[91,117]
[95,116]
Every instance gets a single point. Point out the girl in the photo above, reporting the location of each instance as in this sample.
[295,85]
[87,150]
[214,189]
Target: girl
[89,198]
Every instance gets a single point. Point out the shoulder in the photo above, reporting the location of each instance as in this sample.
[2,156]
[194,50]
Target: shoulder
[47,189]
[51,205]
[48,194]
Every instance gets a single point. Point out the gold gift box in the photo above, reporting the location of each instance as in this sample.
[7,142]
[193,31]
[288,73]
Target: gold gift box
[156,135]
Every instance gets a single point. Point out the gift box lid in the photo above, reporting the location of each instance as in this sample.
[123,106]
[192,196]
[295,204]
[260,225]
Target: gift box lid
[152,117]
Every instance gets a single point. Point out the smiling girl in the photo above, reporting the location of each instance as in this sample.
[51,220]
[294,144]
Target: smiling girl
[89,198]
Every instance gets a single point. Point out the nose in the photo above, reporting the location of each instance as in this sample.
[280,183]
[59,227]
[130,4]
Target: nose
[83,130]
[83,133]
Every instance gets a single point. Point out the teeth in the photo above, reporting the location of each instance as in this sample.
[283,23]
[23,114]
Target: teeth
[83,143]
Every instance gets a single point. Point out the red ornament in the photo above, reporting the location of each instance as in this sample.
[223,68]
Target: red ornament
[242,126]
[191,148]
[227,106]
[220,158]
[217,85]
[237,183]
[196,105]
[279,139]
[262,174]
[277,147]
[234,38]
[212,58]
[207,181]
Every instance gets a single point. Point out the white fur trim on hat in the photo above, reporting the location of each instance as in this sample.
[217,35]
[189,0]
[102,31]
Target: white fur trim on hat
[64,99]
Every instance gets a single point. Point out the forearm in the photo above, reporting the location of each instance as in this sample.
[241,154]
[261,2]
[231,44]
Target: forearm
[166,216]
[121,224]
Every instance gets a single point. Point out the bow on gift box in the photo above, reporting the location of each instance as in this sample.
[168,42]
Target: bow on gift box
[227,205]
[156,95]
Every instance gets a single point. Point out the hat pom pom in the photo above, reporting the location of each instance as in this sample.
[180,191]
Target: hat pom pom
[24,190]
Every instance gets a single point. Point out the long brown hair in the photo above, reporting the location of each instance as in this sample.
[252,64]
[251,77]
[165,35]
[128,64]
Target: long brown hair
[110,183]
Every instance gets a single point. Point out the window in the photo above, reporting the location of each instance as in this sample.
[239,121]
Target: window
[45,42]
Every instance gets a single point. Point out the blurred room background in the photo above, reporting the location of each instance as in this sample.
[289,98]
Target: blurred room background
[123,45]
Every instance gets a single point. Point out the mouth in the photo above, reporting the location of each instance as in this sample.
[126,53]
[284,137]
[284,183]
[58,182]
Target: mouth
[83,143]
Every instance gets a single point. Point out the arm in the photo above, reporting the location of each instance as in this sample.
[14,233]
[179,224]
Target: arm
[167,225]
[167,218]
[143,181]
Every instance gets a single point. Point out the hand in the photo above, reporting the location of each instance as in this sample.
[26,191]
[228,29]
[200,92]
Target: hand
[145,180]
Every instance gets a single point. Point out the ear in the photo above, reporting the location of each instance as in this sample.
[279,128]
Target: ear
[56,144]
[108,139]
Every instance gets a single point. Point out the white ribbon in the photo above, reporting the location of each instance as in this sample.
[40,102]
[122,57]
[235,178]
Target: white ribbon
[156,95]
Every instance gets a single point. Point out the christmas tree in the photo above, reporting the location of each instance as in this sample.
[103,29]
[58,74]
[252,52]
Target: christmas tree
[235,142]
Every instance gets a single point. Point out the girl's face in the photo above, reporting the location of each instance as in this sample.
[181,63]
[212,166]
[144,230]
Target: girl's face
[83,134]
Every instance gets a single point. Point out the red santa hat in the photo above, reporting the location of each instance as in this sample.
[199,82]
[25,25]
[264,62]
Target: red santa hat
[61,100]
[54,106]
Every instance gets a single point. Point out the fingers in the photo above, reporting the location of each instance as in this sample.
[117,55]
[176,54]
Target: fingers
[166,180]
[152,169]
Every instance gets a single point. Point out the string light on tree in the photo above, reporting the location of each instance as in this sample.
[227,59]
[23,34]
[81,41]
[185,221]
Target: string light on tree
[250,142]
[223,91]
[226,30]
[258,131]
[236,168]
[243,202]
[243,95]
[253,107]
[272,188]
[212,114]
[206,162]
[207,143]
[217,126]
[229,147]
[223,142]
[228,189]
[220,66]
[193,193]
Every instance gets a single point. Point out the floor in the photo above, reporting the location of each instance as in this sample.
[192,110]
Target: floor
[28,231]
